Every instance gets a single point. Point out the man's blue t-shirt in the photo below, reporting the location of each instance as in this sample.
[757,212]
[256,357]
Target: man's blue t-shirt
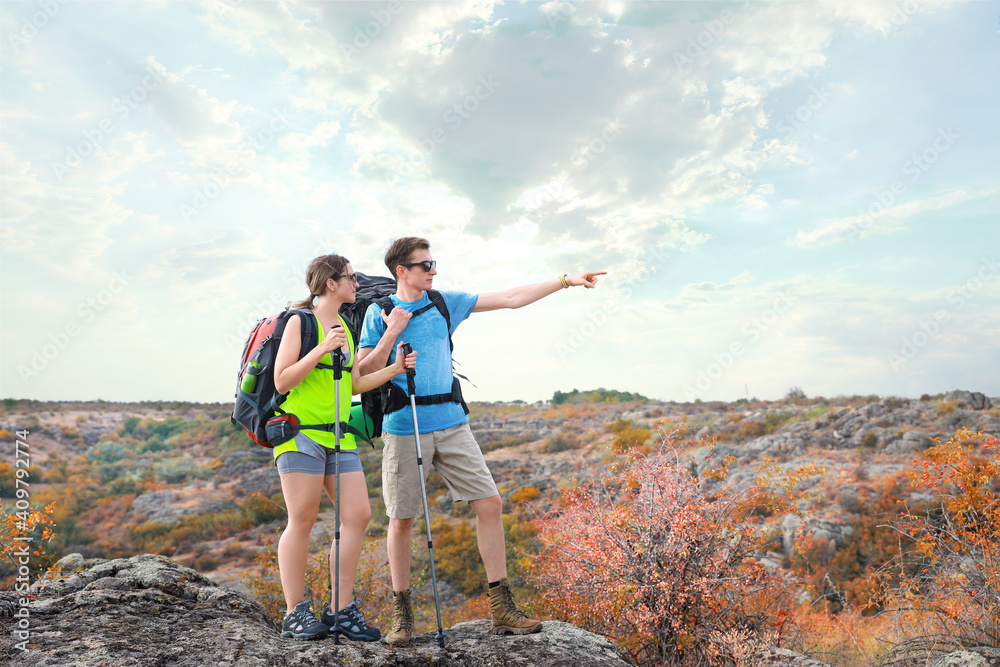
[428,335]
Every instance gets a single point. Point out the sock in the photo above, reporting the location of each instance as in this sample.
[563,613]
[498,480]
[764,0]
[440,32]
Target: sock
[494,584]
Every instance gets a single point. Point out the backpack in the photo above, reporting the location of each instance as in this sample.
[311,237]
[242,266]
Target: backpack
[387,398]
[258,403]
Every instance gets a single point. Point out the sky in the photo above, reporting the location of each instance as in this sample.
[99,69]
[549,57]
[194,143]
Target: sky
[784,194]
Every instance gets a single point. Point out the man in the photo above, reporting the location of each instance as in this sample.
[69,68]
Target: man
[445,439]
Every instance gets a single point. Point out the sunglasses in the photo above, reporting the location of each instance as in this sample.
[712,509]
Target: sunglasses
[425,265]
[353,277]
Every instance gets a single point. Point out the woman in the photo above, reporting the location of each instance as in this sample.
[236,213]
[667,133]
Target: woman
[306,464]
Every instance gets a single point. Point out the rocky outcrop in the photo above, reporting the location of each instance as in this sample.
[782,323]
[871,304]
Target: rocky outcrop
[973,657]
[969,399]
[148,610]
[162,507]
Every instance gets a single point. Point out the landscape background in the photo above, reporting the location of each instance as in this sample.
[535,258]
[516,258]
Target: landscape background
[782,193]
[178,479]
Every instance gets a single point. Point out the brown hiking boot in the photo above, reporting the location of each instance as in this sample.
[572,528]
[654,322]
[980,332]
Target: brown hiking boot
[402,619]
[506,616]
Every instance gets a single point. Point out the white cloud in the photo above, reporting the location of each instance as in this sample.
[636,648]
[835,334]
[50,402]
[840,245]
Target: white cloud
[66,230]
[877,219]
[209,270]
[197,119]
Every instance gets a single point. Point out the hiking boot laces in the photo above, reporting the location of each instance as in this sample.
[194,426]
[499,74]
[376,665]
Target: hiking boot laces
[507,600]
[402,616]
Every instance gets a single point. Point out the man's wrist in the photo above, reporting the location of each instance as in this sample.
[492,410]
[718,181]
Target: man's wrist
[562,279]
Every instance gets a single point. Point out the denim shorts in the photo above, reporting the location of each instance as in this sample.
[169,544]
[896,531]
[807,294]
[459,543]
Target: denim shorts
[316,459]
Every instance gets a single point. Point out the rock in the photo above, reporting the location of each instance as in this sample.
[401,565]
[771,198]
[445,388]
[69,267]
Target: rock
[70,563]
[974,657]
[969,399]
[159,507]
[263,480]
[786,445]
[148,610]
[782,657]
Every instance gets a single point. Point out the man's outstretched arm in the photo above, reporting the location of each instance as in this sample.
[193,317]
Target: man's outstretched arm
[516,297]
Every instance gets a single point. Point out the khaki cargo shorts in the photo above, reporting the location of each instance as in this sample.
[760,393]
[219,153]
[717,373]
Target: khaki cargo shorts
[453,452]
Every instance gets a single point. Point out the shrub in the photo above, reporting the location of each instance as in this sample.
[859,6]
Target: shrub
[207,562]
[951,574]
[629,437]
[647,557]
[457,555]
[29,529]
[506,441]
[178,469]
[560,442]
[796,394]
[259,510]
[108,452]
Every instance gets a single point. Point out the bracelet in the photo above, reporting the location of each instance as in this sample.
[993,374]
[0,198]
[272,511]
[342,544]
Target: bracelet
[562,279]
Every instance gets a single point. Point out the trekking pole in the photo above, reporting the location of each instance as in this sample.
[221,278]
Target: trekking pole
[411,389]
[337,372]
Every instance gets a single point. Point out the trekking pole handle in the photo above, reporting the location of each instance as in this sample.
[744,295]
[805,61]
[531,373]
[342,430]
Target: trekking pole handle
[338,361]
[405,350]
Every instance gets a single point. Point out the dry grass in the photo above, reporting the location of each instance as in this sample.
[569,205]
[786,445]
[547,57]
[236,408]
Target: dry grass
[849,639]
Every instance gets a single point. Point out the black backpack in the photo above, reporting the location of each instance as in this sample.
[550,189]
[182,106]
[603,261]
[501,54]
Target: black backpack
[387,398]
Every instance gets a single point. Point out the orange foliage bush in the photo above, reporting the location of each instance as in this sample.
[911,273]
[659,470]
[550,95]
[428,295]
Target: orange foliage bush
[24,535]
[951,575]
[646,556]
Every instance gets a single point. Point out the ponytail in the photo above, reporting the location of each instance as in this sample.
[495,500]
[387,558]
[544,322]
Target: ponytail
[320,270]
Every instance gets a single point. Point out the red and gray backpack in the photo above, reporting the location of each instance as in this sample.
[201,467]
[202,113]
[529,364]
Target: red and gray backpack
[258,403]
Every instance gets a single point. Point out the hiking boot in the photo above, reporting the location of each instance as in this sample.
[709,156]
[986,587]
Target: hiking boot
[402,619]
[350,622]
[302,623]
[507,618]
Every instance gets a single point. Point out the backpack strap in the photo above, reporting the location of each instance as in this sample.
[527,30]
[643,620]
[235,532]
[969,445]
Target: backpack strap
[454,396]
[392,404]
[310,338]
[438,300]
[344,428]
[310,332]
[290,426]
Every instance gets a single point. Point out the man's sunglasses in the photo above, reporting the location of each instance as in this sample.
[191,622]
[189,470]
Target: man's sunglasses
[425,265]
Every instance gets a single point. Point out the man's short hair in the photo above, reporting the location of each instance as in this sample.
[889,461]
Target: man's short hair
[400,250]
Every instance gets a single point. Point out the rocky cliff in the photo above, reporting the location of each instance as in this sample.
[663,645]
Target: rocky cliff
[148,610]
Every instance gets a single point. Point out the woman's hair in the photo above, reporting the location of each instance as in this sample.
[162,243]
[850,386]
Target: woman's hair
[401,249]
[320,270]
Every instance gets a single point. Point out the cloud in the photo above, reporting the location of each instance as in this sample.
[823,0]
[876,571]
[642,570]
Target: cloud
[66,230]
[881,220]
[211,269]
[197,119]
